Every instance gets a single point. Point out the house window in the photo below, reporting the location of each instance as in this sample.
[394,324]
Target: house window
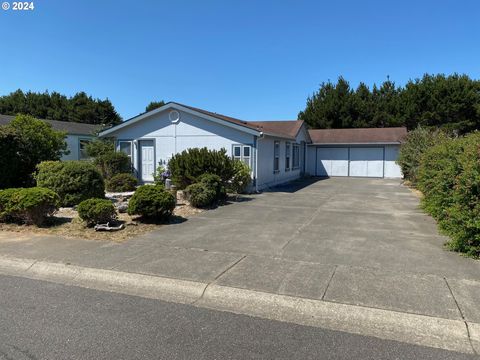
[243,153]
[296,156]
[126,147]
[276,157]
[287,156]
[82,149]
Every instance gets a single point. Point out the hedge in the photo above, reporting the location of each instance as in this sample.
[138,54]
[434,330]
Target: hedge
[449,177]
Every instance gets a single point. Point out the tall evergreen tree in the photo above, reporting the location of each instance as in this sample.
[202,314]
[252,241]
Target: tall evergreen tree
[154,105]
[451,102]
[54,106]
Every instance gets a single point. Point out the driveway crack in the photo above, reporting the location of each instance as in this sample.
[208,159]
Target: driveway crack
[329,281]
[462,315]
[217,277]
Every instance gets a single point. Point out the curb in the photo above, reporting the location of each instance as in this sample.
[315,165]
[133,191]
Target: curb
[385,324]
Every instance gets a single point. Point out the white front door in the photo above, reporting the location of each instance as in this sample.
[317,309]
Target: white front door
[147,160]
[332,161]
[367,162]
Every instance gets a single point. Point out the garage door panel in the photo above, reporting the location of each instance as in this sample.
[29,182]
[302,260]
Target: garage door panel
[332,161]
[366,162]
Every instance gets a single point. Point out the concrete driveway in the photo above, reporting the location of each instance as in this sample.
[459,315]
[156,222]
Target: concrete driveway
[372,223]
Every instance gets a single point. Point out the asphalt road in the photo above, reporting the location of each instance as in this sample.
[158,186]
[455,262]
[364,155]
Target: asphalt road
[42,320]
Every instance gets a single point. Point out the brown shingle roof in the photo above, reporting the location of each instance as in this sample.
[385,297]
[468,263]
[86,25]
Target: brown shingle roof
[286,128]
[358,136]
[68,126]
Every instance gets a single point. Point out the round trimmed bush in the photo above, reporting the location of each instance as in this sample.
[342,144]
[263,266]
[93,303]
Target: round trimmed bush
[73,181]
[213,182]
[201,195]
[152,202]
[29,205]
[96,211]
[122,182]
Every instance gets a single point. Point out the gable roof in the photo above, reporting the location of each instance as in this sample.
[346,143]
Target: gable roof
[392,135]
[284,129]
[68,126]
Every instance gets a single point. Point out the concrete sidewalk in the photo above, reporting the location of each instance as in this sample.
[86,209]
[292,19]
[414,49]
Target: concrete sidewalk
[348,254]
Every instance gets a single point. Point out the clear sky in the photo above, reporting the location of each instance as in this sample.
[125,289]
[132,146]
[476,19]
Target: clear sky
[255,60]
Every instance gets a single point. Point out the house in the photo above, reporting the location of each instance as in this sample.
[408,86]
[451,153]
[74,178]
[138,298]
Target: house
[276,151]
[78,135]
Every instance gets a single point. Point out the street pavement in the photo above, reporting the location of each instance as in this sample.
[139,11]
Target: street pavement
[43,320]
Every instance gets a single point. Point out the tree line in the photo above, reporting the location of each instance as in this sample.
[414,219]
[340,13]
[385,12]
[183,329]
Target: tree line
[450,102]
[55,106]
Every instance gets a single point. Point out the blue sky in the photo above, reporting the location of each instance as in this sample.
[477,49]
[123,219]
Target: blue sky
[255,60]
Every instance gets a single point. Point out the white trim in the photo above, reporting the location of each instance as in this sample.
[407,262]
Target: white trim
[181,108]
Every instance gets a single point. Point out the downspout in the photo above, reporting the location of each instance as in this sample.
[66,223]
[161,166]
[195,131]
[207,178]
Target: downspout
[256,159]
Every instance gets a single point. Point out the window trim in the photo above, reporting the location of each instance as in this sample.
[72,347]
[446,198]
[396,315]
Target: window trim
[296,145]
[131,148]
[288,155]
[80,139]
[276,157]
[242,157]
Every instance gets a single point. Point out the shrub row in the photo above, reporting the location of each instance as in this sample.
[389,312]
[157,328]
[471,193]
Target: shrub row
[449,177]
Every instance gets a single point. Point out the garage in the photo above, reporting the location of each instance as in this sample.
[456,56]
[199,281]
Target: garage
[355,152]
[350,161]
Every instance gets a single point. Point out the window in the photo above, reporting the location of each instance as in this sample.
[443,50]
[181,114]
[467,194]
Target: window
[82,149]
[296,156]
[126,147]
[276,156]
[243,153]
[287,156]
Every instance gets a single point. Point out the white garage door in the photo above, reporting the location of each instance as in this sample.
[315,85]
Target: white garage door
[367,162]
[332,161]
[353,161]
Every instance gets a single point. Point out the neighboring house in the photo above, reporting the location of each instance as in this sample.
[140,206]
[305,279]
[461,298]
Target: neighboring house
[78,135]
[276,151]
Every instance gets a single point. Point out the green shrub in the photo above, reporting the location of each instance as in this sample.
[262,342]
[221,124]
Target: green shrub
[214,183]
[122,182]
[201,195]
[96,211]
[73,181]
[29,205]
[187,166]
[24,143]
[414,146]
[449,177]
[112,163]
[241,179]
[152,202]
[436,176]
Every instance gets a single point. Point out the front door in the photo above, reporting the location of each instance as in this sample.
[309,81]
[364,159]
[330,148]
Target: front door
[147,160]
